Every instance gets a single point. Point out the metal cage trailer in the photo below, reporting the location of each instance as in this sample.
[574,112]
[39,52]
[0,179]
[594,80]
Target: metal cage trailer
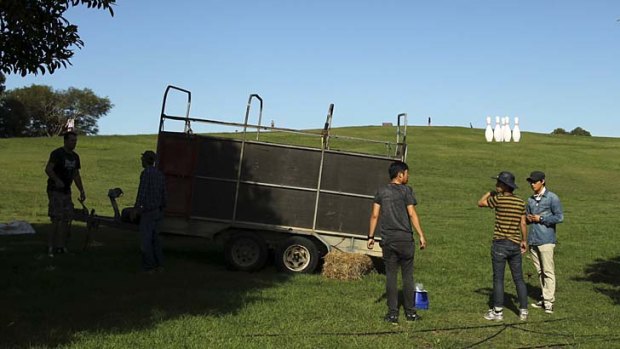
[257,197]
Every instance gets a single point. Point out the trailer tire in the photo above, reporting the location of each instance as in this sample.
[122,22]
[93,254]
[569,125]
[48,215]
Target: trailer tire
[245,251]
[297,255]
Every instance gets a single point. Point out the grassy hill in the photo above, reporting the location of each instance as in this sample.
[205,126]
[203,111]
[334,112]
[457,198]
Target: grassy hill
[96,298]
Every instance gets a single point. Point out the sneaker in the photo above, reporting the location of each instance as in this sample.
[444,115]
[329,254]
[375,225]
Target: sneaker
[50,252]
[523,313]
[538,305]
[549,308]
[413,317]
[494,315]
[393,319]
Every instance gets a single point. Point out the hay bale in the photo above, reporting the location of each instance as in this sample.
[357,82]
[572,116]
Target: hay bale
[346,266]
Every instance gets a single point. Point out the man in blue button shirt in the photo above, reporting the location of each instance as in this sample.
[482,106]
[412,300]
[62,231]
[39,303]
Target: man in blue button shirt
[150,205]
[543,212]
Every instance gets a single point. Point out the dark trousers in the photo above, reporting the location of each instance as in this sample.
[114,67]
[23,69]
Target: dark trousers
[395,255]
[150,245]
[502,252]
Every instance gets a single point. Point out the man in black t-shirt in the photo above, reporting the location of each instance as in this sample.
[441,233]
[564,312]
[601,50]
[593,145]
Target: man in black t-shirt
[394,204]
[63,168]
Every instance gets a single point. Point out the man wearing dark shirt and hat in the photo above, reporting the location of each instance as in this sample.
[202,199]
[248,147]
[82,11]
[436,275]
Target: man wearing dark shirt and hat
[62,169]
[544,211]
[508,242]
[150,204]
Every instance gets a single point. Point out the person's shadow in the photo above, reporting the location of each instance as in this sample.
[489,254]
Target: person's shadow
[605,273]
[511,301]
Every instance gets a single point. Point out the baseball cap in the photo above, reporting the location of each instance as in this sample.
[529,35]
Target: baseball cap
[149,156]
[536,176]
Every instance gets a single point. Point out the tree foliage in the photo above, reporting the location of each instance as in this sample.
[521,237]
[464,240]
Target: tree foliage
[559,131]
[577,131]
[35,37]
[39,110]
[2,81]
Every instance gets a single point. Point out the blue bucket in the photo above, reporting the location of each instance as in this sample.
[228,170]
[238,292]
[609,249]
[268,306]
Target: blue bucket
[421,300]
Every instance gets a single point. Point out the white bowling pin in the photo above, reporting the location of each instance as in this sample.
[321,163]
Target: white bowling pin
[507,133]
[488,132]
[497,132]
[516,132]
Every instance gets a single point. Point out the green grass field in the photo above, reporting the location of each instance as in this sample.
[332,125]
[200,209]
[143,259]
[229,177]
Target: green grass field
[98,299]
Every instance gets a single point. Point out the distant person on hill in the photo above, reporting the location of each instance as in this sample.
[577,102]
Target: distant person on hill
[544,211]
[62,169]
[150,204]
[395,204]
[509,242]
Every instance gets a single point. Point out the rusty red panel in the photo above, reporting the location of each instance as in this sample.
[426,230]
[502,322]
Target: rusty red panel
[177,160]
[177,153]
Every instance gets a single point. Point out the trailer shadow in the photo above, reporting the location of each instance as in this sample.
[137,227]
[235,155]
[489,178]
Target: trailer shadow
[605,274]
[47,301]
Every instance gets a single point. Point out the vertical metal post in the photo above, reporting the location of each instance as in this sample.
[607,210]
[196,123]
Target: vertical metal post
[241,156]
[188,127]
[401,131]
[247,114]
[324,146]
[327,128]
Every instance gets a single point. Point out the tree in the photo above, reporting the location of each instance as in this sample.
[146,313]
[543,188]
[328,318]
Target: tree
[13,120]
[35,37]
[559,131]
[85,107]
[39,110]
[9,114]
[578,131]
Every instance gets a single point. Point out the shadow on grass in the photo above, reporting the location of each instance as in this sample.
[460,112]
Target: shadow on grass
[47,301]
[606,273]
[511,301]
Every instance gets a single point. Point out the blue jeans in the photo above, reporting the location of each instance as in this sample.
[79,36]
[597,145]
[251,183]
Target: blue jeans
[504,251]
[152,256]
[399,254]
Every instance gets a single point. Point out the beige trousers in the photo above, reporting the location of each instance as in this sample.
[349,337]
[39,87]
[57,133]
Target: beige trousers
[542,256]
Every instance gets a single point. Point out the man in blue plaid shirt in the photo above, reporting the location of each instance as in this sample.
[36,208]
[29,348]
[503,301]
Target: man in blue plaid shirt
[150,204]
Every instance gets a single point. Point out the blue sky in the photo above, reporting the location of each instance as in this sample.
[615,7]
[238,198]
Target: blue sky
[552,63]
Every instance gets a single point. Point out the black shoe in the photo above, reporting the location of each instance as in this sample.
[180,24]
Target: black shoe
[393,319]
[413,317]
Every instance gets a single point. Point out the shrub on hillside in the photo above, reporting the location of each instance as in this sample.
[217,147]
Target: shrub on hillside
[559,131]
[578,131]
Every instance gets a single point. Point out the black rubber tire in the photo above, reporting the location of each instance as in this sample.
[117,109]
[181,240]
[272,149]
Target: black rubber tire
[245,251]
[297,254]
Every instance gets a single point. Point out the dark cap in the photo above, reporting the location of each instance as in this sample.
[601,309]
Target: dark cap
[149,156]
[506,178]
[536,176]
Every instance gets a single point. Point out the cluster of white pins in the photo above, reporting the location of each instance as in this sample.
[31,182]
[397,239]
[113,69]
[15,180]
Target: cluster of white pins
[502,131]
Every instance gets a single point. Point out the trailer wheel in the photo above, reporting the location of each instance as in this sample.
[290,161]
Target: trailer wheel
[245,252]
[297,255]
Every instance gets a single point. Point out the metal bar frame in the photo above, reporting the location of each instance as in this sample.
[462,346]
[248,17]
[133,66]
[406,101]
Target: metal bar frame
[401,134]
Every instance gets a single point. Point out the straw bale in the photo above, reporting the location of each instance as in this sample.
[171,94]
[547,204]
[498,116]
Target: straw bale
[346,266]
